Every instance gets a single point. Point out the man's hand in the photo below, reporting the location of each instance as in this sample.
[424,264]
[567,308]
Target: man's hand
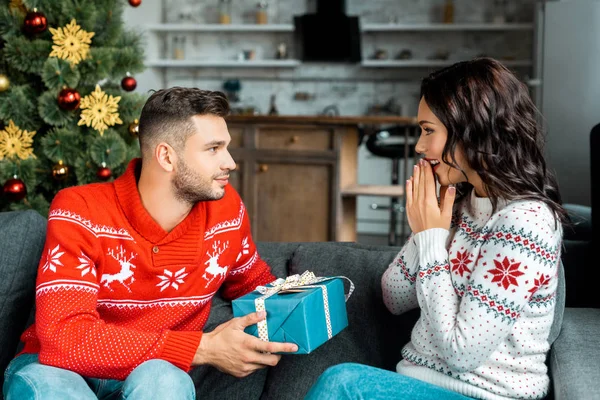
[229,349]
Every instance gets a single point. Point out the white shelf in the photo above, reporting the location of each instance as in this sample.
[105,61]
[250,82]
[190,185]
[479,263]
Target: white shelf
[445,27]
[429,63]
[224,63]
[176,27]
[220,28]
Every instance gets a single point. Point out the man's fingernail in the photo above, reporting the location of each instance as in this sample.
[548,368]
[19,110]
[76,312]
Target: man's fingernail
[262,314]
[294,348]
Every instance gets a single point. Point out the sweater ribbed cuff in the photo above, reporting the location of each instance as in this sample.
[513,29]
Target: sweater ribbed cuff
[432,245]
[180,348]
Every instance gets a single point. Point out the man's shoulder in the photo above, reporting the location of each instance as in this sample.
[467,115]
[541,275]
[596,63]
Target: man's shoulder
[89,196]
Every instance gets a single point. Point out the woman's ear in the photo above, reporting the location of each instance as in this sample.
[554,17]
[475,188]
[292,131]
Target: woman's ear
[165,156]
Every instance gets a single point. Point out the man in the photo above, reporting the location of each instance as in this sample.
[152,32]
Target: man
[129,269]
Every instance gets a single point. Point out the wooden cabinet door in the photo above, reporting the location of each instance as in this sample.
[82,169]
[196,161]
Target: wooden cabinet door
[236,178]
[293,202]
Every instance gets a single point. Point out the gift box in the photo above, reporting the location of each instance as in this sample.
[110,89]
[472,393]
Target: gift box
[307,312]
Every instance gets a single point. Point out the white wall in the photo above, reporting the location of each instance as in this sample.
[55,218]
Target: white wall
[351,88]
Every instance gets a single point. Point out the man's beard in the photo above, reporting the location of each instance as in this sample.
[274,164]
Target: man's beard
[190,187]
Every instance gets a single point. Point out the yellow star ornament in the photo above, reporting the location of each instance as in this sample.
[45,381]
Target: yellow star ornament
[99,110]
[17,5]
[71,43]
[15,142]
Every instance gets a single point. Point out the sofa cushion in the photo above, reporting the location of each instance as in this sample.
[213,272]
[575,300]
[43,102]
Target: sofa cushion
[373,336]
[22,236]
[575,355]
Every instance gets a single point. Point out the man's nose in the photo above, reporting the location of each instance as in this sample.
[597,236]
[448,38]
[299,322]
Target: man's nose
[229,162]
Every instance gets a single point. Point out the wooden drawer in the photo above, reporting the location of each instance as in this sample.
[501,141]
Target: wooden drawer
[237,137]
[294,139]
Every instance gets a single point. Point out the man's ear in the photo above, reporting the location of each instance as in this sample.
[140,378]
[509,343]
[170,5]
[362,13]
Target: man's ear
[165,156]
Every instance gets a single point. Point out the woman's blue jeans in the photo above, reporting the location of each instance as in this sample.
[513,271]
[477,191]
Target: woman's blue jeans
[26,378]
[356,381]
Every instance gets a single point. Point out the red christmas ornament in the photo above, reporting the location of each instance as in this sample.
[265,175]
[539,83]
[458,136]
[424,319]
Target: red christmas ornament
[14,189]
[128,83]
[35,22]
[69,99]
[135,3]
[104,173]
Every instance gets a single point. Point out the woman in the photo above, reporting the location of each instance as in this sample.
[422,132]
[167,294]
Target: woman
[482,269]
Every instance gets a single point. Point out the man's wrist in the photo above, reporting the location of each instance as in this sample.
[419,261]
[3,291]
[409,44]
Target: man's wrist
[202,356]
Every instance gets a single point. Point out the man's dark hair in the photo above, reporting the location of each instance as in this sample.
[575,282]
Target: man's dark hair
[167,115]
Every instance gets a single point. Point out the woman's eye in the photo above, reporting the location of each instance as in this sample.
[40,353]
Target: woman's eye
[428,131]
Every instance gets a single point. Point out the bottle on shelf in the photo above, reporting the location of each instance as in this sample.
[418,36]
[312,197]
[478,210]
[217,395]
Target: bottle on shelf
[449,12]
[261,13]
[225,12]
[179,47]
[499,12]
[273,108]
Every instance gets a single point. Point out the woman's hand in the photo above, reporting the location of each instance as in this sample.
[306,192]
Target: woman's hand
[422,208]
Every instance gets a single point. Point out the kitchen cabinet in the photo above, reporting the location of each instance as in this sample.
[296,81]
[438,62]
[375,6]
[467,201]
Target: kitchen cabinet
[297,175]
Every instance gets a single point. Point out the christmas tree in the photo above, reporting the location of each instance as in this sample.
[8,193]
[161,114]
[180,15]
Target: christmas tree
[67,116]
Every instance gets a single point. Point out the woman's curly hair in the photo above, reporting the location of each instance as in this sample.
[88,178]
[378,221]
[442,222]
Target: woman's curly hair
[490,116]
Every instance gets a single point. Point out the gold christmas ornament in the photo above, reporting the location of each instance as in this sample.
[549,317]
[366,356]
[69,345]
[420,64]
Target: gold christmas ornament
[99,110]
[71,43]
[15,142]
[134,128]
[4,83]
[60,171]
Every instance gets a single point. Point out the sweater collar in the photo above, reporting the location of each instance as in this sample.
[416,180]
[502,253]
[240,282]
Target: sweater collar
[481,207]
[130,202]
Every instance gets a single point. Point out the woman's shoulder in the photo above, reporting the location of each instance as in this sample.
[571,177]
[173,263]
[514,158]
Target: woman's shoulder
[532,214]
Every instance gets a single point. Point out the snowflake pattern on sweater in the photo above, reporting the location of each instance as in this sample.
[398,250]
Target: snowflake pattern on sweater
[486,290]
[114,289]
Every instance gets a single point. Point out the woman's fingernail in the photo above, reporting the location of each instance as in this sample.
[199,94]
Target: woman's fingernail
[451,190]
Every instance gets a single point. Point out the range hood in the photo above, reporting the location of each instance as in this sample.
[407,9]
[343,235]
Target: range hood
[328,35]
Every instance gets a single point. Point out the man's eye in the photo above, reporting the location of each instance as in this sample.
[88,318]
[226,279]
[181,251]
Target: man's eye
[213,149]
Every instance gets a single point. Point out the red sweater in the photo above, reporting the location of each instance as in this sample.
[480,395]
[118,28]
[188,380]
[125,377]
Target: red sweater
[114,289]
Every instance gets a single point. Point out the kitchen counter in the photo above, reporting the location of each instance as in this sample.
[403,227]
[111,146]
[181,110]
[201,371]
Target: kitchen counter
[323,119]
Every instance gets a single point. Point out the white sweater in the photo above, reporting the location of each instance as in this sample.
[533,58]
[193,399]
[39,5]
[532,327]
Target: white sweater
[486,291]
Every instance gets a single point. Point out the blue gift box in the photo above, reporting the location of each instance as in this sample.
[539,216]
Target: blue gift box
[299,317]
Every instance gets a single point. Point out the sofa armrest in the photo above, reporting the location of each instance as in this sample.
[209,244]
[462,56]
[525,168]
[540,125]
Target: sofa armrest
[575,356]
[22,236]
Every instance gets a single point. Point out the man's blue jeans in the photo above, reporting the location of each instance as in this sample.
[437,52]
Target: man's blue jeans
[26,378]
[356,381]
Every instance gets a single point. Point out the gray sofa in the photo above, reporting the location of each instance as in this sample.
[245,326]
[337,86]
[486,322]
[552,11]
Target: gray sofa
[373,337]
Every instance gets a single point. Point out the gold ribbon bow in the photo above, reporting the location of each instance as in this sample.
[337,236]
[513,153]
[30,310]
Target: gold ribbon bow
[295,283]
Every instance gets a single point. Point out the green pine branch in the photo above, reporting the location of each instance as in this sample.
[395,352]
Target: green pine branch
[27,55]
[58,73]
[61,144]
[19,104]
